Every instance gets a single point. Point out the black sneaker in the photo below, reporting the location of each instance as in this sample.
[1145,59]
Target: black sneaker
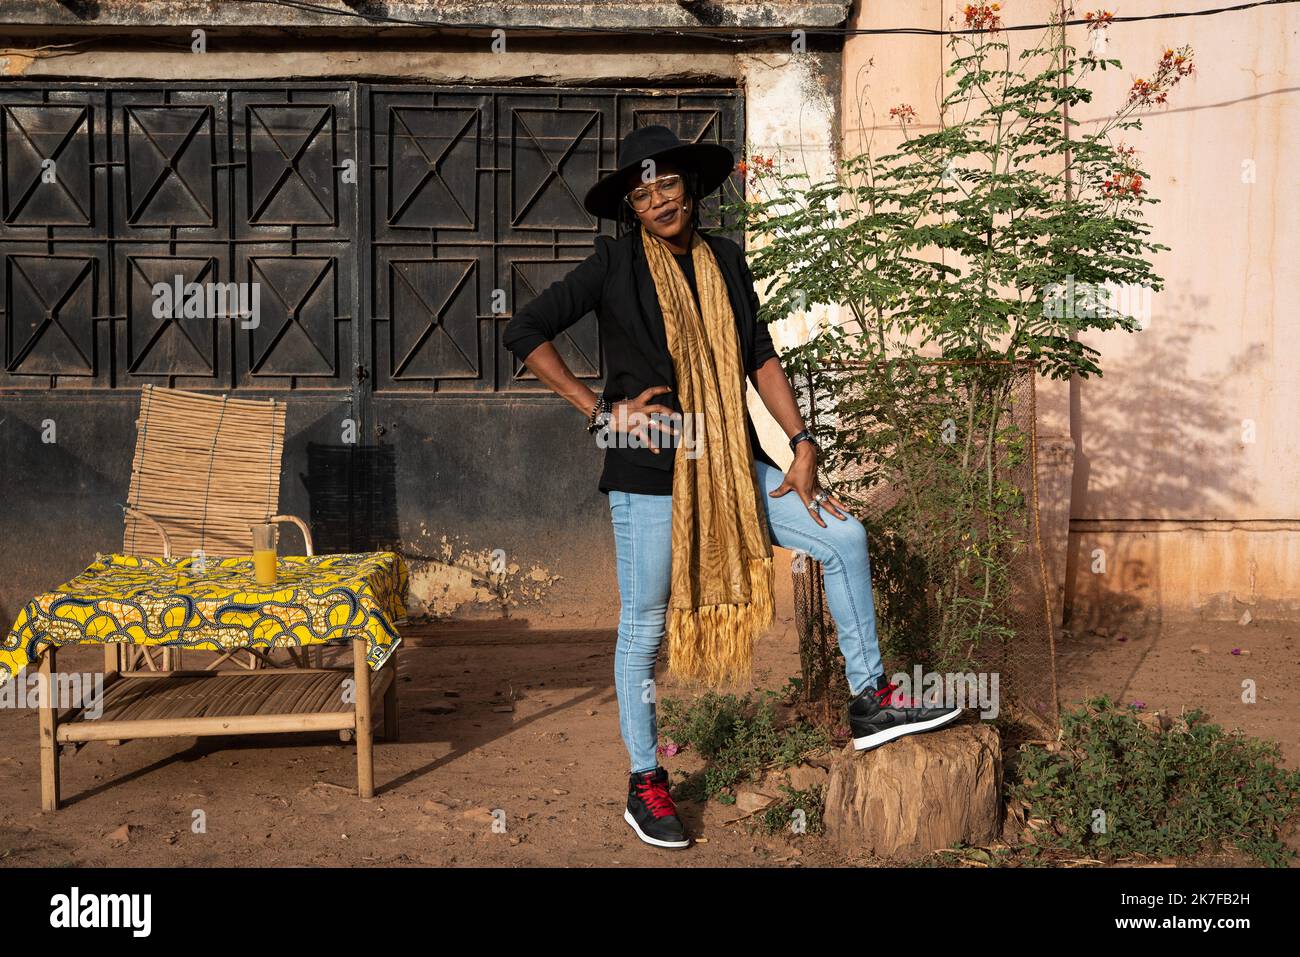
[877,715]
[651,812]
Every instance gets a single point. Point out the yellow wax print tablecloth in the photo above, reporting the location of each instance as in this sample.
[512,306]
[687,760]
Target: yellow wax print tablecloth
[217,605]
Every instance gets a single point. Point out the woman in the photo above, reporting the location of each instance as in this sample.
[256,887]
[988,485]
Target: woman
[695,502]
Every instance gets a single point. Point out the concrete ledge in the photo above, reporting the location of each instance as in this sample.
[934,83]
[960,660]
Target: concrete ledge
[441,67]
[1216,572]
[370,14]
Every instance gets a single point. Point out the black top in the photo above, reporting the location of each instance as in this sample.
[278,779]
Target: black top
[615,283]
[627,476]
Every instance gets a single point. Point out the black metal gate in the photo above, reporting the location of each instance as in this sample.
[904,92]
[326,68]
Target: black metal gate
[390,231]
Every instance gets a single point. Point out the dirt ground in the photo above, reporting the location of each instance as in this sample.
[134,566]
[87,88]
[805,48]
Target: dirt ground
[554,765]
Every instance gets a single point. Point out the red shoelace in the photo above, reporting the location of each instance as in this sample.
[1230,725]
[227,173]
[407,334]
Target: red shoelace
[888,699]
[656,797]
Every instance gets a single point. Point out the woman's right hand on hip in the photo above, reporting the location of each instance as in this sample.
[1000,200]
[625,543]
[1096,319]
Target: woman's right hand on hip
[639,415]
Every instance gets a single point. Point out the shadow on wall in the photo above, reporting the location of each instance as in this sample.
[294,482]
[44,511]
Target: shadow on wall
[353,495]
[1153,449]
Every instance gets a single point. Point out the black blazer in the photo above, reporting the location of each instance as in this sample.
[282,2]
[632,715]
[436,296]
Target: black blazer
[615,283]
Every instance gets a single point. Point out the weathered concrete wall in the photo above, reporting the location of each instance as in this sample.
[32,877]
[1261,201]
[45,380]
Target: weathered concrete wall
[242,59]
[791,108]
[1193,423]
[1179,464]
[414,17]
[566,569]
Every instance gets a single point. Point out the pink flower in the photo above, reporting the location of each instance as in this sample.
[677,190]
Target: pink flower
[903,113]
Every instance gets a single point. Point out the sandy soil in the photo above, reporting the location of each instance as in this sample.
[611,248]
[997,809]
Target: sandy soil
[555,765]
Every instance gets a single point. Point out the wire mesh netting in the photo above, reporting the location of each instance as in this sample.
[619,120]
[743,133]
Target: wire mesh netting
[939,461]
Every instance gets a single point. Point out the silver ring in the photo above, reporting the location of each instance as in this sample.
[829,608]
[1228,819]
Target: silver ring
[814,507]
[820,496]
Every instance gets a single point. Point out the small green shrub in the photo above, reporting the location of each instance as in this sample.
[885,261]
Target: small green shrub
[778,816]
[738,737]
[1123,786]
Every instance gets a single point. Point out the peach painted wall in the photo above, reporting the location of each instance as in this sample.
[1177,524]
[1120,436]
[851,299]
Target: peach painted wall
[1177,469]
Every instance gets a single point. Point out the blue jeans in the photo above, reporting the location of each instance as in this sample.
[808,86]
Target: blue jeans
[643,545]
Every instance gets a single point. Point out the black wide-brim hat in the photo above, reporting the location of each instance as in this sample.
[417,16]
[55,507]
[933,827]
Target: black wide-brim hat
[711,162]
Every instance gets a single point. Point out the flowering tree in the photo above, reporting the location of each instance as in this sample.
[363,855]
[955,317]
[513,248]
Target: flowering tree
[990,242]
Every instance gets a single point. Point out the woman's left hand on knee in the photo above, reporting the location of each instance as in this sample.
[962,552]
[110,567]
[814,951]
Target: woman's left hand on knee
[802,480]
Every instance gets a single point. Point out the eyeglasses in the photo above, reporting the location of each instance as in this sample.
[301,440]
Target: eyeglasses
[669,187]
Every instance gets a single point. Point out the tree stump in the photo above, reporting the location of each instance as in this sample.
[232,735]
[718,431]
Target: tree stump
[917,795]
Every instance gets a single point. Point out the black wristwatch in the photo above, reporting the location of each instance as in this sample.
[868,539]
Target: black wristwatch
[600,415]
[804,436]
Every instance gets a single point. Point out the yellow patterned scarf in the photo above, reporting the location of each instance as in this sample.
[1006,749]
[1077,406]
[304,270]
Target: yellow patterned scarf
[722,577]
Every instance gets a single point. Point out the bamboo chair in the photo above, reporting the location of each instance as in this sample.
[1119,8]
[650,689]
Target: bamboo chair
[205,469]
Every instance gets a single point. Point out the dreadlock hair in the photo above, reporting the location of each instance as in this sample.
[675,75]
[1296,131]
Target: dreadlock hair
[627,218]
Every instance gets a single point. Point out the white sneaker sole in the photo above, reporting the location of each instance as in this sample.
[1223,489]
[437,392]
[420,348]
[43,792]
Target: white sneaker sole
[627,816]
[870,741]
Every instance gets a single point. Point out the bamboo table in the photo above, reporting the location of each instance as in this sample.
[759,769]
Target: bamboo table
[177,603]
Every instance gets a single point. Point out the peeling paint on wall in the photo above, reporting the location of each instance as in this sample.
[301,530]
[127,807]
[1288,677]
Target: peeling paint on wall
[15,64]
[458,579]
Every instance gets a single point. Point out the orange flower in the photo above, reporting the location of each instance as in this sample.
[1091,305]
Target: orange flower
[1174,65]
[1099,20]
[1124,183]
[981,16]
